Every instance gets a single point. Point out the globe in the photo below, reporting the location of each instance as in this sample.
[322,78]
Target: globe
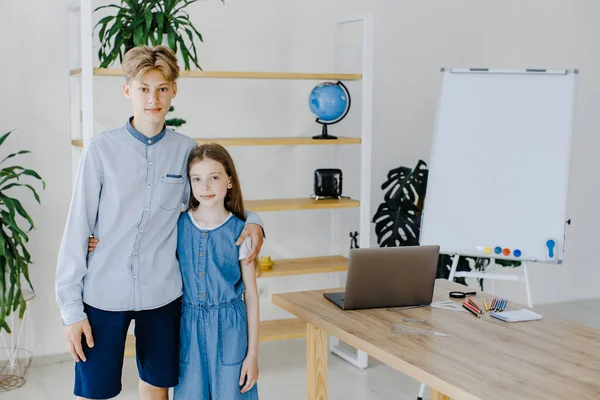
[330,102]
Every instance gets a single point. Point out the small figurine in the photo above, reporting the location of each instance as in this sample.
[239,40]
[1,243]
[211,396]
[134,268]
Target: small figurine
[354,240]
[265,263]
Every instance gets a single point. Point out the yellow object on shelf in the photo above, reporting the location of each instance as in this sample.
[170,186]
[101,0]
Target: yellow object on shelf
[265,263]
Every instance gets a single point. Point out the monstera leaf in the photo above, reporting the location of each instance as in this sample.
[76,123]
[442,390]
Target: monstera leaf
[398,219]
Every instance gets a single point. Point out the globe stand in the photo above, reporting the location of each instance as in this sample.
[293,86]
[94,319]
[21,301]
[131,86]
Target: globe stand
[324,135]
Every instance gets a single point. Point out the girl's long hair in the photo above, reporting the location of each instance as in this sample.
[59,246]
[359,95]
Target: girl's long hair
[234,202]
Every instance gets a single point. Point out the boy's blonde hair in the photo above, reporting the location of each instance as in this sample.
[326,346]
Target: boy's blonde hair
[142,59]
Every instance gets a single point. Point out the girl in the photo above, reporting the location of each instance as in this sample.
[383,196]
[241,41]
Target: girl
[219,331]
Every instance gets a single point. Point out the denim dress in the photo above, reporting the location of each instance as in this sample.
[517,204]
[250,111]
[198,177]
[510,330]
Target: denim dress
[214,322]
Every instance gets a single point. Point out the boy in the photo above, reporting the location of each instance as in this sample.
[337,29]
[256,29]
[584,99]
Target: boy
[130,189]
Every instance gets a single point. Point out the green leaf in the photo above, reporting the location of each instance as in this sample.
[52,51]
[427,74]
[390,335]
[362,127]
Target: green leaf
[35,175]
[148,14]
[10,206]
[11,294]
[191,37]
[14,154]
[104,21]
[108,6]
[4,325]
[22,212]
[35,195]
[172,40]
[184,53]
[160,17]
[138,35]
[2,253]
[17,233]
[3,138]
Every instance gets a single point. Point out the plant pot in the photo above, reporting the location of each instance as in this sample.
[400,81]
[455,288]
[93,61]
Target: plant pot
[15,348]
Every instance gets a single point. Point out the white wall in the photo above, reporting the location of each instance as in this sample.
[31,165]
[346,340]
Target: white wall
[412,41]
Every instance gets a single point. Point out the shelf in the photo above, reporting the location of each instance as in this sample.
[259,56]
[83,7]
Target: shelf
[298,204]
[239,74]
[277,141]
[281,329]
[278,329]
[264,141]
[301,266]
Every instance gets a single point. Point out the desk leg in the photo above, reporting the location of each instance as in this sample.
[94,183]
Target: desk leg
[316,363]
[435,395]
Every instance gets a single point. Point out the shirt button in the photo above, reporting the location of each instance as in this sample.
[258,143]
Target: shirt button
[149,141]
[201,295]
[135,254]
[146,209]
[204,234]
[149,185]
[201,254]
[201,273]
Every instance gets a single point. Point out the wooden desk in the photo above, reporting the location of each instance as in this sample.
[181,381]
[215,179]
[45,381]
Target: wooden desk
[483,359]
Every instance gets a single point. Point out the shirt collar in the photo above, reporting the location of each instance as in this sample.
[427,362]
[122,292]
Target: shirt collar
[143,138]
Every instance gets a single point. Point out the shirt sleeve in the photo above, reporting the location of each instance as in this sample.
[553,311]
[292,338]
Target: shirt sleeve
[245,248]
[72,257]
[253,218]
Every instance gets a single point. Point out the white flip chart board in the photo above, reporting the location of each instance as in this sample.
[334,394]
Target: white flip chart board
[499,166]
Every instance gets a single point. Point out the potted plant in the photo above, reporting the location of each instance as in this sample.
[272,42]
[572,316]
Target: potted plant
[14,257]
[145,22]
[398,219]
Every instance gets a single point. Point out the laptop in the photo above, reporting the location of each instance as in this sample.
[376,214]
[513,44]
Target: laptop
[388,277]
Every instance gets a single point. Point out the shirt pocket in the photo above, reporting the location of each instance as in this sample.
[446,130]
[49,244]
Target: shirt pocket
[171,192]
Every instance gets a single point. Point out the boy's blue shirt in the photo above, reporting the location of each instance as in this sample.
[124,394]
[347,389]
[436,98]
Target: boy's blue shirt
[129,192]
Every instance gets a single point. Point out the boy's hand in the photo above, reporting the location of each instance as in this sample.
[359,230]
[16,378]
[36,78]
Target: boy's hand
[249,373]
[92,243]
[255,232]
[74,333]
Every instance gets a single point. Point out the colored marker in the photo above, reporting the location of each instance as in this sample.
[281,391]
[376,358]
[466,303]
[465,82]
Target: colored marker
[485,305]
[475,305]
[471,311]
[472,308]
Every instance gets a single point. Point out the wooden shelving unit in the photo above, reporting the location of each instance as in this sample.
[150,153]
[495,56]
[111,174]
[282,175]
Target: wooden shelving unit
[238,74]
[298,204]
[311,265]
[265,141]
[278,141]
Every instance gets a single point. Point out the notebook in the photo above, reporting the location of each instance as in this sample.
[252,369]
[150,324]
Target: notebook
[516,316]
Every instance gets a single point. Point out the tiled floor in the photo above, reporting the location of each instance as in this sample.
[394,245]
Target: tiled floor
[282,366]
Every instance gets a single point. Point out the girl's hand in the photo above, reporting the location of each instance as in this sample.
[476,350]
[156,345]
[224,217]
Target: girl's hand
[249,373]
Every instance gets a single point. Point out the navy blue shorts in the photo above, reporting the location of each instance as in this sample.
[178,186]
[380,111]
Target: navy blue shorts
[156,346]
